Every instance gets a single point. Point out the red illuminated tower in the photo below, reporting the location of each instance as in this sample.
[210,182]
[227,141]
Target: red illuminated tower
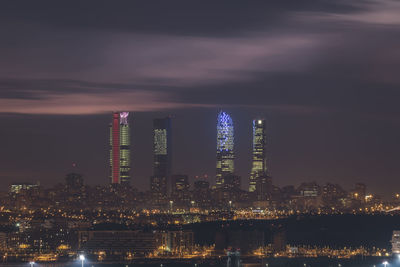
[120,148]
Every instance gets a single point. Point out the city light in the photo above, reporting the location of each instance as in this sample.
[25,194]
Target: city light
[124,117]
[82,258]
[207,134]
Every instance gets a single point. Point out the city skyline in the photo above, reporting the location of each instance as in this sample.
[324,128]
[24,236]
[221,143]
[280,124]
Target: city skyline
[323,74]
[199,133]
[142,181]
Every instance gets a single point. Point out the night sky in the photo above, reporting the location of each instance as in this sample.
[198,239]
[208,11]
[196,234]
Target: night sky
[325,75]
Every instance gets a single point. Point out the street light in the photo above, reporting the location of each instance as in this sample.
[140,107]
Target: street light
[82,258]
[32,263]
[385,263]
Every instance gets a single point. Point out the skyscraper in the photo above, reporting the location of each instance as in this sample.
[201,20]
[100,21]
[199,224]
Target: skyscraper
[225,148]
[120,153]
[180,190]
[259,162]
[160,181]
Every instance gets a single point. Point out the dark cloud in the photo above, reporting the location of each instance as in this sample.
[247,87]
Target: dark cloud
[323,72]
[179,17]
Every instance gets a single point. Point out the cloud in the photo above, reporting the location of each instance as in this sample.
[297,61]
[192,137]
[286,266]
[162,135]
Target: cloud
[193,61]
[157,59]
[373,12]
[84,103]
[383,12]
[138,72]
[80,98]
[262,64]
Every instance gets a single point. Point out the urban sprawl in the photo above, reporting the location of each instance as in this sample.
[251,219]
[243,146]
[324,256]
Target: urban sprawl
[118,222]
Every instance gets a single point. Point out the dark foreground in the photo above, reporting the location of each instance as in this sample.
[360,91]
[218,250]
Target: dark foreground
[270,262]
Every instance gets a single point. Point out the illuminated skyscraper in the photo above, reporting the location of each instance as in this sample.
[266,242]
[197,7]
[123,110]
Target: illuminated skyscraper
[120,153]
[259,166]
[225,148]
[160,181]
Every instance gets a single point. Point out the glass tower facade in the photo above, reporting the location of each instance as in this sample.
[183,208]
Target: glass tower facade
[160,182]
[259,162]
[225,148]
[120,153]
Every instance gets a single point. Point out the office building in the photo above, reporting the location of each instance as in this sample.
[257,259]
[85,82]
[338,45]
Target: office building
[202,193]
[177,242]
[180,183]
[225,148]
[264,188]
[311,189]
[259,160]
[120,153]
[160,183]
[180,190]
[17,188]
[74,181]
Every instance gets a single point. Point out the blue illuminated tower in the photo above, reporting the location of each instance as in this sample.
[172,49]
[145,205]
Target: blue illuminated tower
[225,147]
